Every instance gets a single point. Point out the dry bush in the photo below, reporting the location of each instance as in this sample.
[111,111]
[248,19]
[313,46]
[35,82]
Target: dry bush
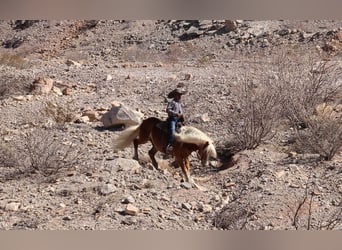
[304,83]
[13,60]
[13,85]
[305,213]
[321,136]
[7,155]
[255,113]
[59,114]
[47,154]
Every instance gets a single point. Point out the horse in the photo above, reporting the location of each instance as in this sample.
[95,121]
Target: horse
[187,140]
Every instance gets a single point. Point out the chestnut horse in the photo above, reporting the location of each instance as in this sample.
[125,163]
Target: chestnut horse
[188,140]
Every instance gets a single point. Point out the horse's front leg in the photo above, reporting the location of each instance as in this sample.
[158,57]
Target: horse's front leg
[152,152]
[185,165]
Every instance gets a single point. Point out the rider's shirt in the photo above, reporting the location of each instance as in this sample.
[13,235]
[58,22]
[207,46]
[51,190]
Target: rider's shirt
[174,108]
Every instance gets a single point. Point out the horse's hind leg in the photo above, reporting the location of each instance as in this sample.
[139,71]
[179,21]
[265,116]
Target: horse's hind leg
[136,144]
[142,139]
[152,152]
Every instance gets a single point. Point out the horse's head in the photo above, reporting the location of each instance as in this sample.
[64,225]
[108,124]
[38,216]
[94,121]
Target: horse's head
[205,152]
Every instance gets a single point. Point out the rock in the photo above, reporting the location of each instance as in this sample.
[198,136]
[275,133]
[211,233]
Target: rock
[205,208]
[19,98]
[128,199]
[109,78]
[339,36]
[92,115]
[120,114]
[205,117]
[229,25]
[188,76]
[131,210]
[12,206]
[82,119]
[284,32]
[186,206]
[186,185]
[122,164]
[129,221]
[67,91]
[73,63]
[107,189]
[57,90]
[41,86]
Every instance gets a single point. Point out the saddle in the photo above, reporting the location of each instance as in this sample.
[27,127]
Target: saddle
[163,125]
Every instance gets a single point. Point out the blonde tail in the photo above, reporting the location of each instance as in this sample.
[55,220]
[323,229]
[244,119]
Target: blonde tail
[125,138]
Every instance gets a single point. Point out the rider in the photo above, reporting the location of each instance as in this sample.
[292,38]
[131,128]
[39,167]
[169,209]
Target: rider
[175,114]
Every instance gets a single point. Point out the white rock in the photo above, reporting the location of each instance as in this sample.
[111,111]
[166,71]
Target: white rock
[12,206]
[107,189]
[122,164]
[120,114]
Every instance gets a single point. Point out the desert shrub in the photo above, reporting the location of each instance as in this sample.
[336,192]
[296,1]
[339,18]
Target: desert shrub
[7,155]
[321,136]
[305,83]
[235,215]
[48,155]
[13,85]
[255,112]
[59,114]
[13,60]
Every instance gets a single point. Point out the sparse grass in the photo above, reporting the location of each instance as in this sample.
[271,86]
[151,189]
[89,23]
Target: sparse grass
[7,155]
[13,85]
[13,60]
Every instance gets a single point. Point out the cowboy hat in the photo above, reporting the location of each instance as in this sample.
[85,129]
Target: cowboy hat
[176,91]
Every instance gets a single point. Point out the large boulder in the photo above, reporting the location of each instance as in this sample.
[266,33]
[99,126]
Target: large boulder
[41,86]
[120,114]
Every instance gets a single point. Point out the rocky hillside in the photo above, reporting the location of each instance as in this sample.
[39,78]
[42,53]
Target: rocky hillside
[57,166]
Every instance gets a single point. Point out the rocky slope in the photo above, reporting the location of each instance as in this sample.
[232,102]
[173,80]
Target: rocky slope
[138,62]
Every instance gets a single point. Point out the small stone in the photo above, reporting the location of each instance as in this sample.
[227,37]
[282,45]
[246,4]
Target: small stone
[132,210]
[67,91]
[92,115]
[57,91]
[205,208]
[109,78]
[128,199]
[67,218]
[12,206]
[107,189]
[186,185]
[19,98]
[205,117]
[294,186]
[229,184]
[186,206]
[129,221]
[188,77]
[73,63]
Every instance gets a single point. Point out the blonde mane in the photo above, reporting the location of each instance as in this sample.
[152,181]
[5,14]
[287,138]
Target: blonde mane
[190,134]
